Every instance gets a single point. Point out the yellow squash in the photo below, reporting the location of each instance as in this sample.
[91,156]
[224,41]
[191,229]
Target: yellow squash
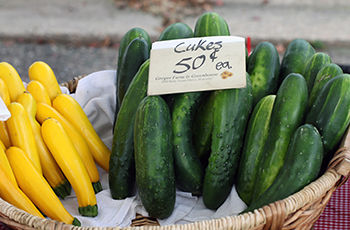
[43,73]
[4,162]
[21,132]
[4,134]
[4,92]
[2,146]
[44,111]
[35,186]
[67,157]
[70,109]
[51,170]
[13,81]
[12,194]
[39,92]
[5,96]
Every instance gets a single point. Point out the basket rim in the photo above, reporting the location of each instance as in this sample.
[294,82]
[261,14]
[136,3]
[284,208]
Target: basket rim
[272,215]
[328,182]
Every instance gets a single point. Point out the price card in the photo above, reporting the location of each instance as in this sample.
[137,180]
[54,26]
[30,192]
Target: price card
[197,64]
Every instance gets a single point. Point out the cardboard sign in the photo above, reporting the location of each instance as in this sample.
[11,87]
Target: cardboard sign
[197,64]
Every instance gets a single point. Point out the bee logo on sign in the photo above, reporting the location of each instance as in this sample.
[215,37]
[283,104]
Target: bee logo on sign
[197,64]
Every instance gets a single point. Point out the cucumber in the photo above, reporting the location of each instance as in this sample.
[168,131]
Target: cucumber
[121,163]
[130,35]
[312,66]
[246,57]
[330,112]
[136,53]
[326,73]
[189,171]
[232,108]
[155,177]
[202,127]
[263,66]
[254,142]
[295,57]
[211,24]
[126,39]
[176,31]
[301,167]
[288,113]
[208,24]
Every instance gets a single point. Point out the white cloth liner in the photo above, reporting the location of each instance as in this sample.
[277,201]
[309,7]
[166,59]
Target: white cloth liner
[4,112]
[96,94]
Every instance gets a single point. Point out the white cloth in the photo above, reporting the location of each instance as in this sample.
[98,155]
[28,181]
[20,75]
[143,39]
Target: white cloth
[4,112]
[96,94]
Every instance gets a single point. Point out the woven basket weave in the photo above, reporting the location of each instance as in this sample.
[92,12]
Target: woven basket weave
[298,211]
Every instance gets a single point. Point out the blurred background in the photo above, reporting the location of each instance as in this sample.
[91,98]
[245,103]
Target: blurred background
[82,36]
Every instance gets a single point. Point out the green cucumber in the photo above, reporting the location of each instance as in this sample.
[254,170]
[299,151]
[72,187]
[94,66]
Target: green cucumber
[295,57]
[211,24]
[189,171]
[130,35]
[126,39]
[232,108]
[330,112]
[208,24]
[326,73]
[288,113]
[202,127]
[135,54]
[263,66]
[312,66]
[301,167]
[122,163]
[155,177]
[254,142]
[176,31]
[246,57]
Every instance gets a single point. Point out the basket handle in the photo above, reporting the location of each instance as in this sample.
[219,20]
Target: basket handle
[341,164]
[341,159]
[275,215]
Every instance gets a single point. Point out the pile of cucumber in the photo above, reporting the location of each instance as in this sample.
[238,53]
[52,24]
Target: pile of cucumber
[269,139]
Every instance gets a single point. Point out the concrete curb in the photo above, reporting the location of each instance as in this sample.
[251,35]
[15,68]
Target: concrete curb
[84,22]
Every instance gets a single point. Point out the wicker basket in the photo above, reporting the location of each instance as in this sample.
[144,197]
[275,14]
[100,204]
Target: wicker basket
[298,211]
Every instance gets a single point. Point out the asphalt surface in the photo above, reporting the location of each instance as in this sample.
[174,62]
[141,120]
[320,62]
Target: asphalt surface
[67,61]
[80,37]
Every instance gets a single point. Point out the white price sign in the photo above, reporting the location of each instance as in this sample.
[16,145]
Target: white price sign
[197,64]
